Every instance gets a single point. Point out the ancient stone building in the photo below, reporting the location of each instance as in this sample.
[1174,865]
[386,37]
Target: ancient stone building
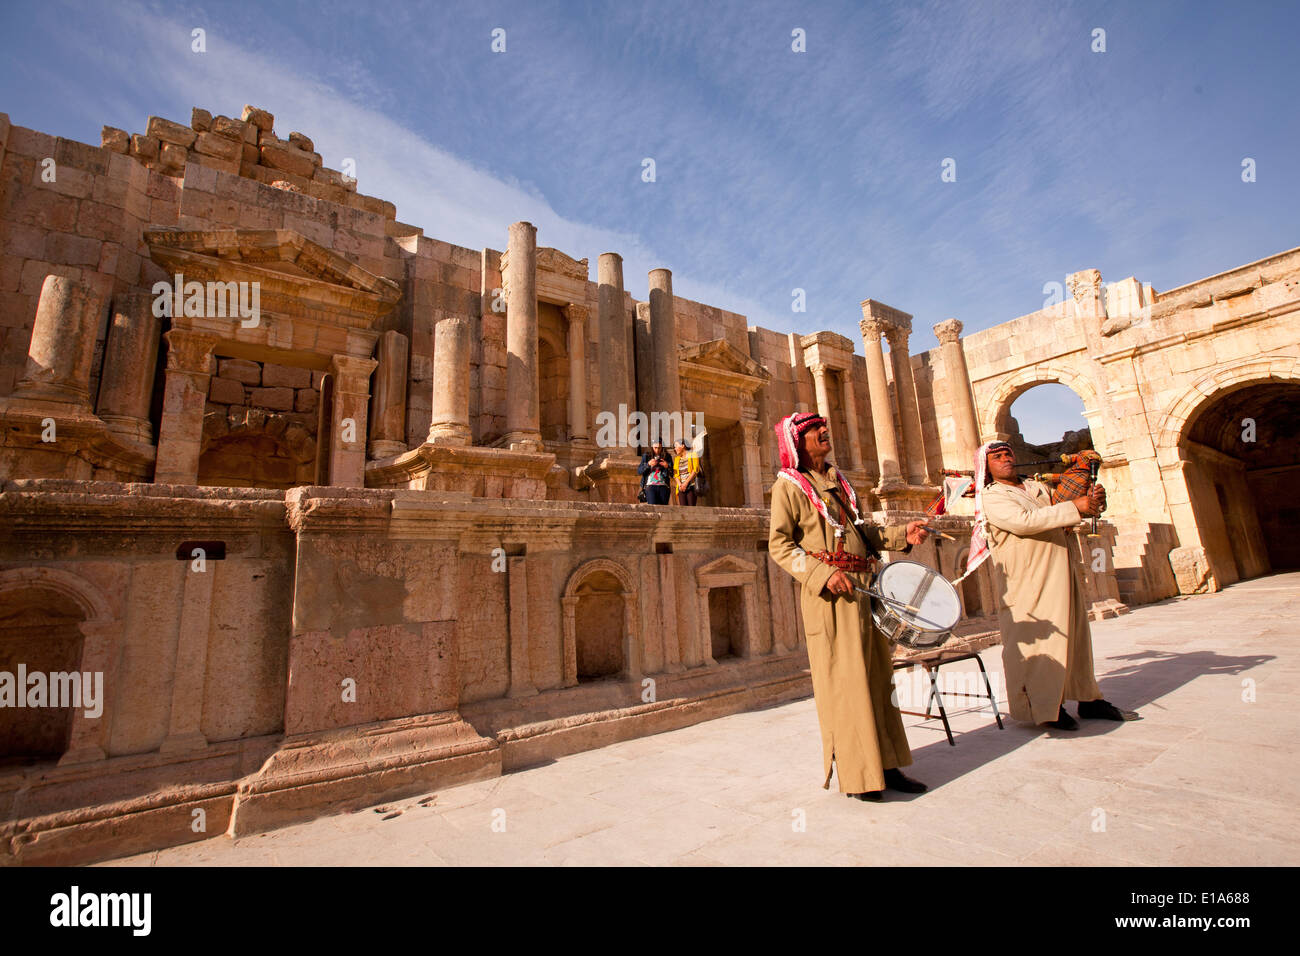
[339,511]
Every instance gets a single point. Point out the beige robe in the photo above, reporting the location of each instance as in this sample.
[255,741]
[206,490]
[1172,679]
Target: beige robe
[1046,641]
[851,662]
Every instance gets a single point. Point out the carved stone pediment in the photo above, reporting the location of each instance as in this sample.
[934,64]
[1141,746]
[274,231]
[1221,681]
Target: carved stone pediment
[311,301]
[720,355]
[726,565]
[281,251]
[553,260]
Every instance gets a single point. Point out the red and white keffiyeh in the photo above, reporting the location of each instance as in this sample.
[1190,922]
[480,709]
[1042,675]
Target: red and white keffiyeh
[980,549]
[789,431]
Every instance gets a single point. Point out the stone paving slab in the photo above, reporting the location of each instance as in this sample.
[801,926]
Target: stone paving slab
[1208,777]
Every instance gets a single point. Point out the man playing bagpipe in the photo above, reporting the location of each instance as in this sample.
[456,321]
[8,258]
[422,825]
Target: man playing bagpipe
[1046,638]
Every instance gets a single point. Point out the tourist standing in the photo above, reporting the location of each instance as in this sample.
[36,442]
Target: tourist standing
[686,470]
[656,473]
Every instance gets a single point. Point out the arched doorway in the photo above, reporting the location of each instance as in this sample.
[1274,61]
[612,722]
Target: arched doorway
[1044,421]
[39,634]
[600,623]
[1241,454]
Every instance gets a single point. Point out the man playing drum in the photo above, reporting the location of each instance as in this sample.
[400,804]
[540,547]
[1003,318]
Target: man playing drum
[1046,640]
[819,536]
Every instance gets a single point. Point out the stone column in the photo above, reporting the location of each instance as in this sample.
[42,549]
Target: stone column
[751,464]
[959,391]
[613,338]
[522,409]
[191,667]
[348,434]
[577,316]
[672,657]
[663,336]
[882,409]
[570,663]
[130,357]
[851,420]
[388,398]
[705,638]
[823,392]
[908,413]
[521,682]
[185,394]
[62,345]
[449,424]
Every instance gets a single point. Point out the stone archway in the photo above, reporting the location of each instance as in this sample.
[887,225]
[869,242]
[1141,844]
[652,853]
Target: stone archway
[68,623]
[255,448]
[601,632]
[995,411]
[1229,454]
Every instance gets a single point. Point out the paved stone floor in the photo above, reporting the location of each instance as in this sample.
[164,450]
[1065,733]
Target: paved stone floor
[1210,776]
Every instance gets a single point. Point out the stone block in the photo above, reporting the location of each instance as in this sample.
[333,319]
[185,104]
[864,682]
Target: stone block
[288,159]
[229,128]
[302,142]
[200,120]
[259,118]
[317,376]
[305,400]
[72,250]
[99,221]
[145,147]
[249,153]
[168,132]
[211,162]
[285,375]
[210,144]
[240,370]
[118,140]
[277,399]
[172,157]
[67,181]
[226,391]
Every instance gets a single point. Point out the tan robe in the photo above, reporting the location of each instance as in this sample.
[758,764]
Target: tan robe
[1046,641]
[852,672]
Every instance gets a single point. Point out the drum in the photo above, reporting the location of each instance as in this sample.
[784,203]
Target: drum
[919,609]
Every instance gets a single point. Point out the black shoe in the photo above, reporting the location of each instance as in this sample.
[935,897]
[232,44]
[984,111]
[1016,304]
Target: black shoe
[873,795]
[1104,710]
[897,780]
[1063,721]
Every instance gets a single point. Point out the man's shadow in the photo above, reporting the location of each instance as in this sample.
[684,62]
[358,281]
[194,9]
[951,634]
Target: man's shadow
[1146,677]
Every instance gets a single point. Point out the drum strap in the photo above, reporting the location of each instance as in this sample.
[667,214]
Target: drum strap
[856,527]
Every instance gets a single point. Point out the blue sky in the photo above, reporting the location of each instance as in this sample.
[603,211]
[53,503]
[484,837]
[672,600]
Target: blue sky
[775,170]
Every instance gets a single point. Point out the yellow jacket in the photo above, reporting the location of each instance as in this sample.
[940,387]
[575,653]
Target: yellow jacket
[692,469]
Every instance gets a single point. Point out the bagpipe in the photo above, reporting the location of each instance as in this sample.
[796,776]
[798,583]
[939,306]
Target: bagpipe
[1075,481]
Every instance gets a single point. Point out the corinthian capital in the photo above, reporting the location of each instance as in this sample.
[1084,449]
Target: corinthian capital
[871,329]
[575,313]
[948,331]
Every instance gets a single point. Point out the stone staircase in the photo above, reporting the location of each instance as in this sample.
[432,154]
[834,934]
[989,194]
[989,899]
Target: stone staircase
[1141,556]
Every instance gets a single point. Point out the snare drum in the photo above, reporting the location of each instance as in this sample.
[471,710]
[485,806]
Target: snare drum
[909,584]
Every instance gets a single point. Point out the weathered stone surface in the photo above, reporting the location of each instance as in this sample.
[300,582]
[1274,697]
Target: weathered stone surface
[240,370]
[172,157]
[288,159]
[210,144]
[230,128]
[168,132]
[110,137]
[286,375]
[200,120]
[302,142]
[226,391]
[146,147]
[280,399]
[259,118]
